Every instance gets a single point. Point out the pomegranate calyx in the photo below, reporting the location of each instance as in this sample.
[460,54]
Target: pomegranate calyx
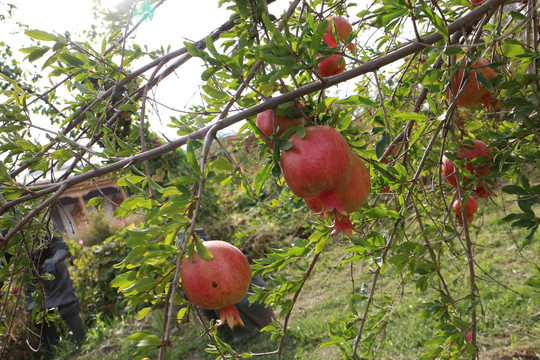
[229,315]
[332,205]
[344,224]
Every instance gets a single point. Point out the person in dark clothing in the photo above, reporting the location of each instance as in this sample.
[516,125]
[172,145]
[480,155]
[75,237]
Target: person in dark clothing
[59,292]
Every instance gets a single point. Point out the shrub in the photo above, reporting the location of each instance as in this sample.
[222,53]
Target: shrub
[93,272]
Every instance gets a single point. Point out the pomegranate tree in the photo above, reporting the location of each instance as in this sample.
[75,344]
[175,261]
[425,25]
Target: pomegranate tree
[351,196]
[318,164]
[468,151]
[474,94]
[471,207]
[343,29]
[218,283]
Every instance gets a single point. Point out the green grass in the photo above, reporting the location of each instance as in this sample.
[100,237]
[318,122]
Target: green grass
[508,320]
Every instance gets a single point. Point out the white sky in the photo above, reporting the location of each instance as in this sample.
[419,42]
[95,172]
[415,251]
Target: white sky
[173,23]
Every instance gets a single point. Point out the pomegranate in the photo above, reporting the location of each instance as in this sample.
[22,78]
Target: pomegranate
[470,151]
[318,164]
[474,94]
[218,283]
[265,123]
[333,65]
[351,196]
[471,207]
[343,28]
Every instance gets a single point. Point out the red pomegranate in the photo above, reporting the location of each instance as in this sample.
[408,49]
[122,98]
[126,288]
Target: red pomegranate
[333,65]
[474,94]
[351,196]
[318,164]
[470,151]
[218,283]
[265,122]
[343,28]
[471,207]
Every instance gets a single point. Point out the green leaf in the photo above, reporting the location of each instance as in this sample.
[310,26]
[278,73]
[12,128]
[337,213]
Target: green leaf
[436,341]
[281,59]
[387,14]
[436,20]
[4,175]
[411,116]
[210,46]
[181,313]
[512,48]
[358,100]
[222,164]
[41,35]
[203,251]
[143,312]
[125,280]
[514,189]
[12,192]
[317,39]
[151,341]
[95,201]
[70,59]
[215,93]
[61,154]
[134,179]
[382,144]
[194,51]
[262,176]
[140,286]
[534,282]
[192,159]
[37,53]
[50,60]
[376,213]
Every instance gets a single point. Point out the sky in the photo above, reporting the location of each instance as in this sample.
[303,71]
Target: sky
[173,23]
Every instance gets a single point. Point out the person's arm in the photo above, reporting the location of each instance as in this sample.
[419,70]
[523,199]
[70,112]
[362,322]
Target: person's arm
[61,253]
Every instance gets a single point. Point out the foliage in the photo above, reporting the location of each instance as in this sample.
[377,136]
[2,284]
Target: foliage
[93,271]
[97,227]
[398,119]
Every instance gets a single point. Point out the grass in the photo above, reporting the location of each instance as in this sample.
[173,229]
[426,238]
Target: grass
[508,320]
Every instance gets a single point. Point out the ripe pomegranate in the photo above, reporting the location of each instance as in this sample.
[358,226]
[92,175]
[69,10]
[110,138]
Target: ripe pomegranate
[471,207]
[218,283]
[318,164]
[351,196]
[476,2]
[474,94]
[265,123]
[385,189]
[333,65]
[470,151]
[343,28]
